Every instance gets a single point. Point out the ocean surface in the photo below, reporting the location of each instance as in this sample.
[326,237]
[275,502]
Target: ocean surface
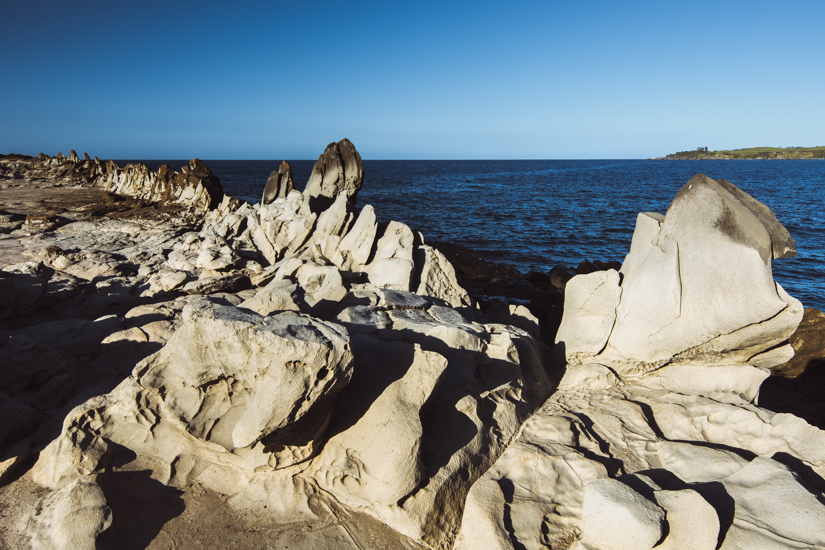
[535,214]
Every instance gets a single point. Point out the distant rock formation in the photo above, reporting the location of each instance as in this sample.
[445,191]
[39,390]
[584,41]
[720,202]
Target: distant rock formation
[195,186]
[278,185]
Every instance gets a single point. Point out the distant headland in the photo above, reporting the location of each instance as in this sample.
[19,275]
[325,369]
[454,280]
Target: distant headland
[750,153]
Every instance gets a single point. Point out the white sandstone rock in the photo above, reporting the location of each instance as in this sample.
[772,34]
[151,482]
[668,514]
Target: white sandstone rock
[354,249]
[322,285]
[693,524]
[245,376]
[71,518]
[589,312]
[392,264]
[437,279]
[696,287]
[615,517]
[278,295]
[774,508]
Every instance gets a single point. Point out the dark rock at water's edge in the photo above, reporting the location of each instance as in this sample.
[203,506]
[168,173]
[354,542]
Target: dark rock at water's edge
[798,385]
[493,284]
[278,185]
[338,170]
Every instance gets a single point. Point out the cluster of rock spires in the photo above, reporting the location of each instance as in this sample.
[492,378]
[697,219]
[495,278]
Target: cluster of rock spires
[195,186]
[316,367]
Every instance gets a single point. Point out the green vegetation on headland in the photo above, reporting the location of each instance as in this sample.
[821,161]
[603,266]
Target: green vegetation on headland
[752,153]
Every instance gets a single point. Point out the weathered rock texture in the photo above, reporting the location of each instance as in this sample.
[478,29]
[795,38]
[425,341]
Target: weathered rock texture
[193,187]
[308,376]
[695,287]
[338,170]
[278,185]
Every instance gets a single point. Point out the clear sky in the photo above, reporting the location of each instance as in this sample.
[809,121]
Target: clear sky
[415,80]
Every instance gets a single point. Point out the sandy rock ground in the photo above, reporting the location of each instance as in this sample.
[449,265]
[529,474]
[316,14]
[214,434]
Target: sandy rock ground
[146,513]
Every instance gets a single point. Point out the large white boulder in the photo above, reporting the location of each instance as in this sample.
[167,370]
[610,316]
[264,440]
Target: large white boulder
[615,517]
[696,287]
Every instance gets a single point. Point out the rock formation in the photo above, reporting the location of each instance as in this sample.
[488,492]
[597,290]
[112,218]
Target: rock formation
[695,287]
[278,185]
[654,438]
[338,170]
[194,186]
[322,379]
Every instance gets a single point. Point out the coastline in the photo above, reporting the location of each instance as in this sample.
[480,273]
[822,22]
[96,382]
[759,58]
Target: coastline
[168,335]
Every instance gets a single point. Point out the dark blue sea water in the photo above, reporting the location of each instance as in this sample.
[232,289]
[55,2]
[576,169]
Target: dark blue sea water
[536,214]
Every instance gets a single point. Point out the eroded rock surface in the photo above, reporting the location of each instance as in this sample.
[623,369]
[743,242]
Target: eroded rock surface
[339,170]
[194,186]
[278,185]
[695,287]
[654,438]
[313,377]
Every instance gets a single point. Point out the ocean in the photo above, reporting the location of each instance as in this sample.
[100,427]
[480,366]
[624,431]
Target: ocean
[536,214]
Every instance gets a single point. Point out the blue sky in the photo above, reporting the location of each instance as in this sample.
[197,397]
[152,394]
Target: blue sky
[419,80]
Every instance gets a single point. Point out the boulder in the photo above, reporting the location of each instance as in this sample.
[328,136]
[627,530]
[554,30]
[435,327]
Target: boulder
[71,518]
[228,382]
[695,287]
[322,285]
[238,363]
[278,185]
[392,262]
[615,517]
[590,302]
[338,170]
[437,278]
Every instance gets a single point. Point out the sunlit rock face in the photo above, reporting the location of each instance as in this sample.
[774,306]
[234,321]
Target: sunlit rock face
[304,365]
[653,438]
[695,287]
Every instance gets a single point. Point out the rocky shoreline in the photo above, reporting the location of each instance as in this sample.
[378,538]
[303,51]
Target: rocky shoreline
[182,369]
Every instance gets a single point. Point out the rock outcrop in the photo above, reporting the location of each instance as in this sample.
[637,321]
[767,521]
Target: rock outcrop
[695,287]
[194,187]
[653,438]
[339,170]
[278,185]
[322,379]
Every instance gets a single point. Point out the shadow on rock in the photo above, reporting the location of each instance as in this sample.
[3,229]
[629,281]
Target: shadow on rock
[140,507]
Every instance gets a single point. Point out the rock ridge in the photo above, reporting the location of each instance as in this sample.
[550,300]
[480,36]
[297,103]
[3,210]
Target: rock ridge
[193,187]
